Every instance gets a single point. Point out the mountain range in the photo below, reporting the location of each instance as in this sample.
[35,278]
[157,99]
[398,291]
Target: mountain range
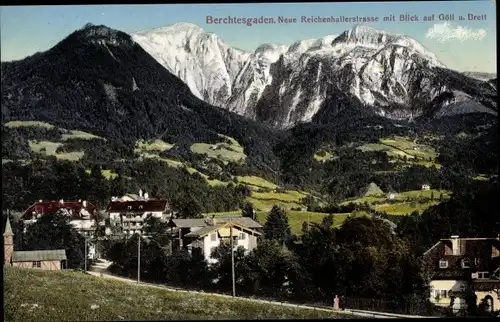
[183,85]
[385,74]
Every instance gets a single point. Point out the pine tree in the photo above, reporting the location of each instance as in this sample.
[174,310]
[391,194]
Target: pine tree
[248,211]
[277,227]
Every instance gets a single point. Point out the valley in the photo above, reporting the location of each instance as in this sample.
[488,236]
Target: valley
[263,193]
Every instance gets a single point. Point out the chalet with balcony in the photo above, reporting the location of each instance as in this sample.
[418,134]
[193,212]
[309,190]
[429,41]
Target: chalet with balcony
[204,235]
[465,264]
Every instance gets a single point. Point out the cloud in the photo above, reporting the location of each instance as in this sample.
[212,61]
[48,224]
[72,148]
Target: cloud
[447,31]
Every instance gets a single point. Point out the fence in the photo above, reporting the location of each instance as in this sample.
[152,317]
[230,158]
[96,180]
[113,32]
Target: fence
[408,307]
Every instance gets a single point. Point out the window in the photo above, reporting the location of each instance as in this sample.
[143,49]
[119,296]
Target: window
[443,263]
[483,275]
[213,237]
[242,236]
[443,294]
[37,264]
[465,263]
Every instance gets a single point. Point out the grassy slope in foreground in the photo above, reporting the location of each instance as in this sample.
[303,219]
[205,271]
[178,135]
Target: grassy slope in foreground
[32,295]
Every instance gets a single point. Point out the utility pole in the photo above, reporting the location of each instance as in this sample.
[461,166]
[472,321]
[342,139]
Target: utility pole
[232,261]
[85,255]
[139,260]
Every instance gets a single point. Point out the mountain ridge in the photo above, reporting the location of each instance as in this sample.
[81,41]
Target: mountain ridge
[100,81]
[377,67]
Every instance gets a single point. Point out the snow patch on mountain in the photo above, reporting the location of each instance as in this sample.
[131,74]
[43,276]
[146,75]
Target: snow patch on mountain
[202,60]
[285,85]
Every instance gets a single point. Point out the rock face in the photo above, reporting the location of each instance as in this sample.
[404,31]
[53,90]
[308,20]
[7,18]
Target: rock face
[389,75]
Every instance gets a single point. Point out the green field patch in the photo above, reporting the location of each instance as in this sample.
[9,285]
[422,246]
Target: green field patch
[256,182]
[152,145]
[405,208]
[481,177]
[75,134]
[288,199]
[49,148]
[398,148]
[229,150]
[415,194]
[323,156]
[98,299]
[106,173]
[367,199]
[295,217]
[14,124]
[68,135]
[405,199]
[178,164]
[70,156]
[267,204]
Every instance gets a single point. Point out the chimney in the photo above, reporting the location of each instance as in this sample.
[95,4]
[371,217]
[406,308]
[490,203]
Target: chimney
[40,200]
[146,196]
[140,193]
[61,201]
[214,221]
[455,244]
[84,203]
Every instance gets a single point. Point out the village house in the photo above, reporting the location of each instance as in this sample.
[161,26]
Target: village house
[426,186]
[391,195]
[130,214]
[82,214]
[54,260]
[462,265]
[204,235]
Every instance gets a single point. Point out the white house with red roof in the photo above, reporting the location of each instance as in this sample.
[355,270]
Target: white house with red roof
[82,214]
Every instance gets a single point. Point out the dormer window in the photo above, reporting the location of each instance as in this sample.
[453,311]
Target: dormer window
[129,207]
[443,263]
[465,263]
[140,207]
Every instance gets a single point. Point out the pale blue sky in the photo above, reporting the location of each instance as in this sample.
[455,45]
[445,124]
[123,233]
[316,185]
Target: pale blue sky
[26,30]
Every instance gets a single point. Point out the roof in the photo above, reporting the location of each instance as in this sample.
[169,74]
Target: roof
[471,249]
[204,231]
[8,228]
[243,221]
[138,206]
[42,207]
[189,223]
[39,255]
[486,285]
[208,229]
[131,196]
[202,222]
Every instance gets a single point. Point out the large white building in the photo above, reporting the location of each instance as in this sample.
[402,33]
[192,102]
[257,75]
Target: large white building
[131,211]
[82,214]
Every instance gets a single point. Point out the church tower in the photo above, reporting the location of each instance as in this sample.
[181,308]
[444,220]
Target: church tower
[8,243]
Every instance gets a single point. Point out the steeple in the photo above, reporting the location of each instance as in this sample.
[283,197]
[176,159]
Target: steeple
[8,228]
[8,243]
